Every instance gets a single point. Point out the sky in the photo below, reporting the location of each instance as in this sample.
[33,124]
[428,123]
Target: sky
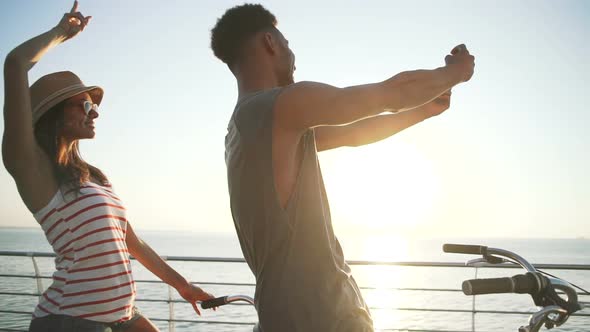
[508,159]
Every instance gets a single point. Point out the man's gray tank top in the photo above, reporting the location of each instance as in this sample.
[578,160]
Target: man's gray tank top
[303,283]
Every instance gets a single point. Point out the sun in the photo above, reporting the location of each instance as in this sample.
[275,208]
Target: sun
[390,185]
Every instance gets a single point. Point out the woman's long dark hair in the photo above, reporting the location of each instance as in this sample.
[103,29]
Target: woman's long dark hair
[69,168]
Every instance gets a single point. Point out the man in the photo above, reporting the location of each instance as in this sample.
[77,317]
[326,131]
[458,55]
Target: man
[278,201]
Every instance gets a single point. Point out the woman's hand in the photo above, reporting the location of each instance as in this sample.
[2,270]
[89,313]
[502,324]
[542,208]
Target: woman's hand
[150,259]
[192,294]
[73,22]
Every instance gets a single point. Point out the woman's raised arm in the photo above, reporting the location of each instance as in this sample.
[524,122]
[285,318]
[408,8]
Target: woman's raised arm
[21,155]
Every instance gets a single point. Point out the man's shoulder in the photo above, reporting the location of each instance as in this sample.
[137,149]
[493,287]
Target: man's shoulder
[254,108]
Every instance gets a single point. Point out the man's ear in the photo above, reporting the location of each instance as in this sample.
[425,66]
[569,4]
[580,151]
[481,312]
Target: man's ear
[270,42]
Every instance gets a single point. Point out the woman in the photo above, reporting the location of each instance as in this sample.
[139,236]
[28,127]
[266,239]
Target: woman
[82,217]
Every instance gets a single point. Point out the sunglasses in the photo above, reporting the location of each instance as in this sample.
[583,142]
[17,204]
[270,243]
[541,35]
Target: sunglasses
[89,106]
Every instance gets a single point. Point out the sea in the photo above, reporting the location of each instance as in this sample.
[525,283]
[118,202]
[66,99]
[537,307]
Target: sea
[400,297]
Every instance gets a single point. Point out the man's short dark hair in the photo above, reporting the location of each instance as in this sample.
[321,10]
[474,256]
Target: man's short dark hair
[235,27]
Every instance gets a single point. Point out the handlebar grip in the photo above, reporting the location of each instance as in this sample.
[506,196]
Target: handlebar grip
[216,302]
[520,283]
[464,249]
[487,286]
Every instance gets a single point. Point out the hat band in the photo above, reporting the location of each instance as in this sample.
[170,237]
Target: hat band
[58,93]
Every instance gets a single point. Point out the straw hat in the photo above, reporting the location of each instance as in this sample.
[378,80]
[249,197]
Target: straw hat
[54,88]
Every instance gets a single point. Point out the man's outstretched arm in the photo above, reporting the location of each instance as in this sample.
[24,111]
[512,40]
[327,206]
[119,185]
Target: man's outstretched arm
[377,128]
[309,104]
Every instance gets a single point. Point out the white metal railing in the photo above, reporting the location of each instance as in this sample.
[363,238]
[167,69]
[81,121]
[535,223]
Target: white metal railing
[171,320]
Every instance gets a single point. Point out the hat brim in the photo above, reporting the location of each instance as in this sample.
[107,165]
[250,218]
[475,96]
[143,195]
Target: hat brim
[95,92]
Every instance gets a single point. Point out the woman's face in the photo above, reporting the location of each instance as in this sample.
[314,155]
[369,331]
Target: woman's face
[77,123]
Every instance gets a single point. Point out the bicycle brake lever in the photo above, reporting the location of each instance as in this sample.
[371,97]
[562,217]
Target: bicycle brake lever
[476,261]
[486,259]
[494,259]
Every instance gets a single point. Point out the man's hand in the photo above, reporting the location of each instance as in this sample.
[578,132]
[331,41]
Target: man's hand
[462,61]
[437,106]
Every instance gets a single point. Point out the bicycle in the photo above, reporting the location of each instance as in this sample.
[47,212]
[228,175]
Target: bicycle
[554,310]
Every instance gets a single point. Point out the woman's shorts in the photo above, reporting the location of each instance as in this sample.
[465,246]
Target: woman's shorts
[62,323]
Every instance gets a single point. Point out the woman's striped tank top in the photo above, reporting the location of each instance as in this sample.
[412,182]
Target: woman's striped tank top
[93,280]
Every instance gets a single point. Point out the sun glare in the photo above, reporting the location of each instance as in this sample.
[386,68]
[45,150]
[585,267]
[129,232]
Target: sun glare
[381,196]
[384,186]
[383,279]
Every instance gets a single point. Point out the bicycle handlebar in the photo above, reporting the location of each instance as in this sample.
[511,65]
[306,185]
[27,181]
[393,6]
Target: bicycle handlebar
[219,301]
[489,254]
[216,302]
[464,249]
[520,284]
[541,288]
